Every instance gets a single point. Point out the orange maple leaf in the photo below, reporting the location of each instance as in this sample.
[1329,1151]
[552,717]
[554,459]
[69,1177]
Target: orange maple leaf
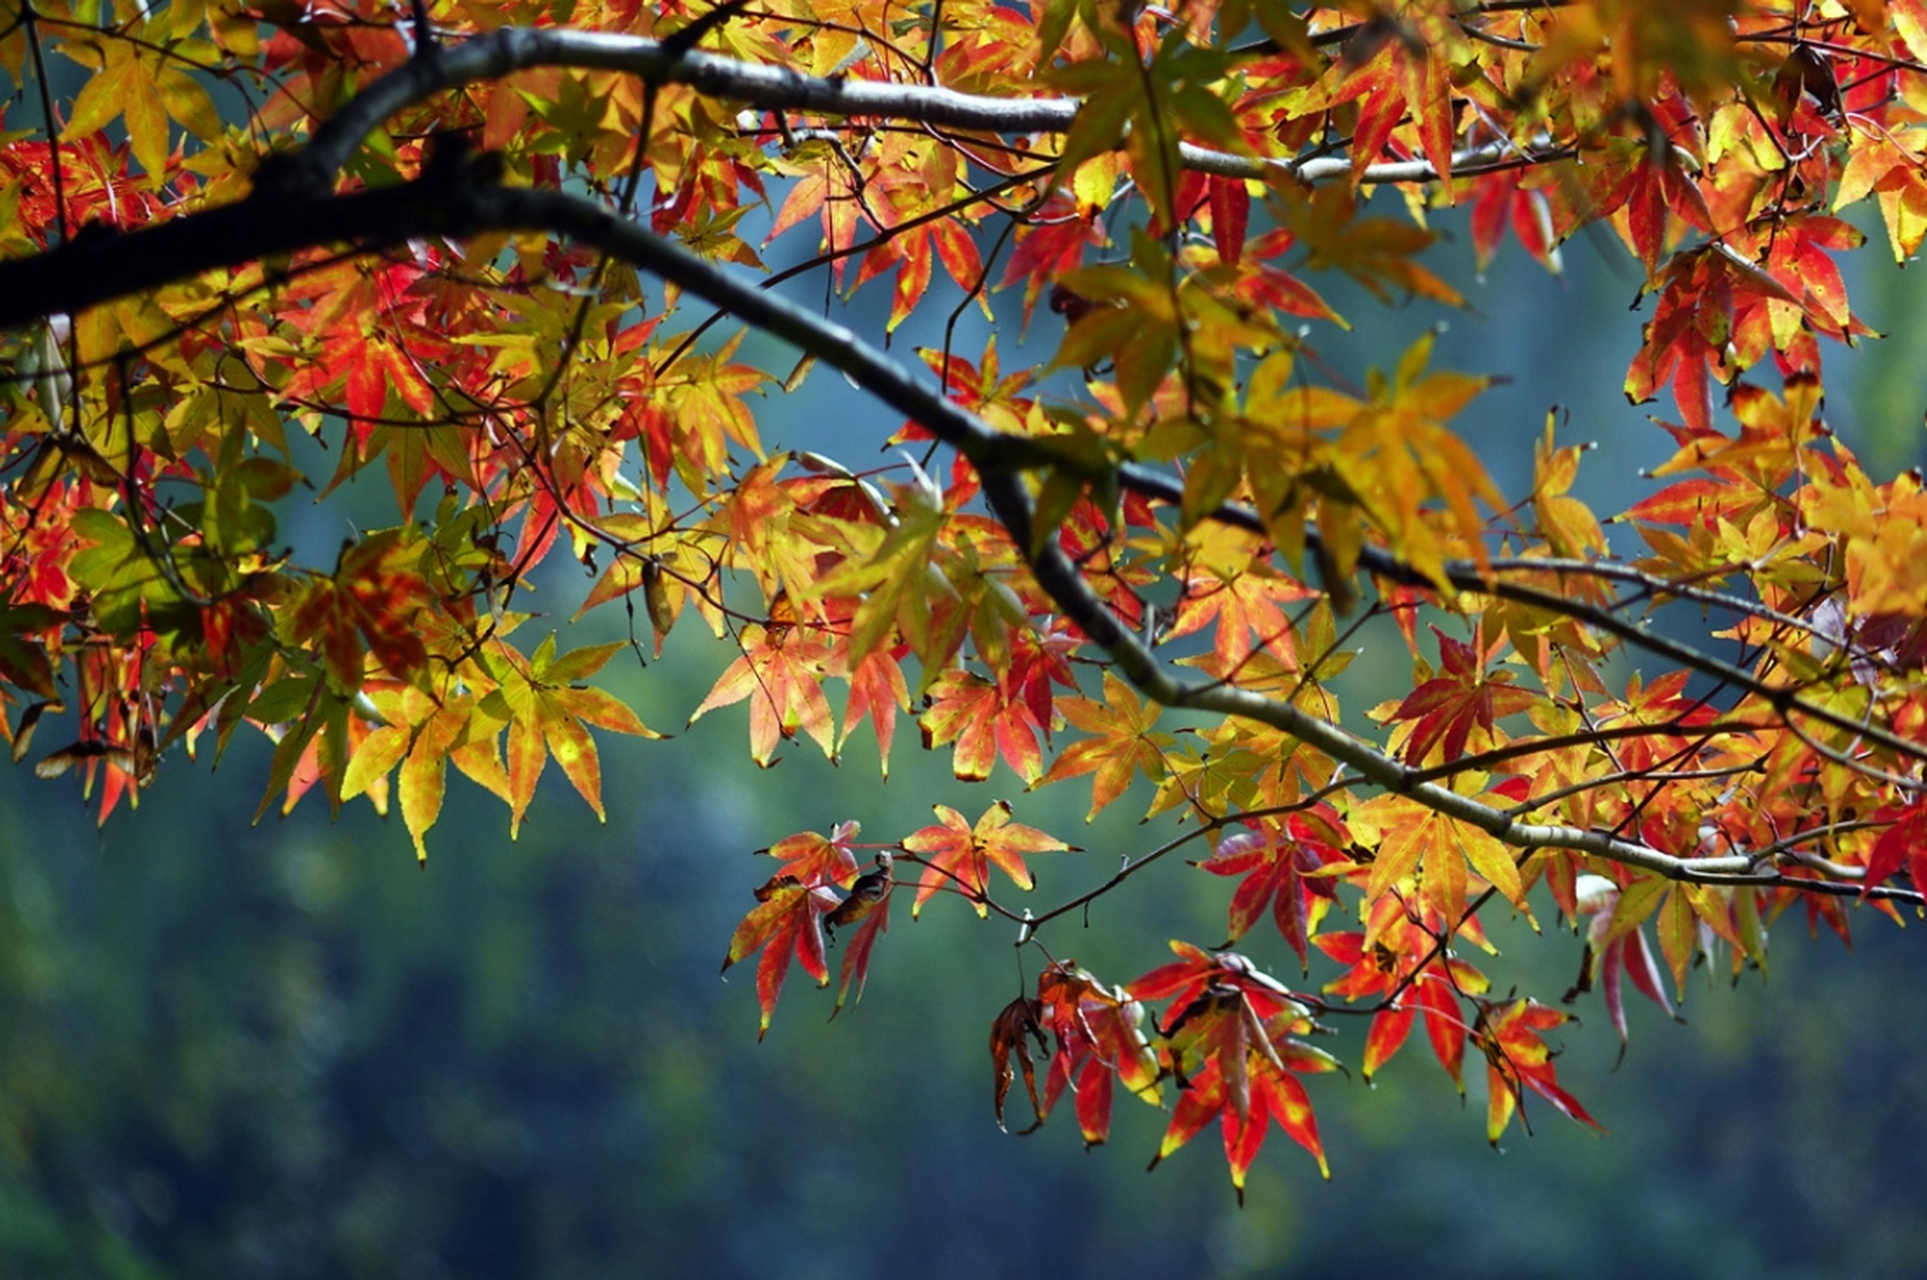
[781,672]
[1122,742]
[959,856]
[984,718]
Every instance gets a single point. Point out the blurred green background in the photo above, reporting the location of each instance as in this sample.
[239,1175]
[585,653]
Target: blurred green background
[283,1051]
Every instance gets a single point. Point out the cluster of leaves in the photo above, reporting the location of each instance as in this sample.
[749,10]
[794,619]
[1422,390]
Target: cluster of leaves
[426,241]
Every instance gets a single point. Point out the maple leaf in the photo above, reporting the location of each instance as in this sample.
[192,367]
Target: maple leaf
[692,415]
[893,569]
[816,860]
[371,599]
[781,673]
[132,82]
[1374,251]
[1416,80]
[378,337]
[997,718]
[1656,193]
[1509,1033]
[1050,244]
[1894,175]
[1662,704]
[1230,205]
[1432,991]
[1122,743]
[875,917]
[548,713]
[1230,1037]
[984,720]
[1128,318]
[1100,1041]
[957,856]
[1568,526]
[1406,834]
[877,692]
[1615,941]
[913,252]
[1011,1033]
[1721,311]
[1271,1095]
[786,924]
[1398,454]
[129,586]
[1501,201]
[1775,434]
[1445,710]
[1144,107]
[1262,284]
[1902,844]
[1399,959]
[422,736]
[1243,607]
[792,906]
[824,187]
[1279,864]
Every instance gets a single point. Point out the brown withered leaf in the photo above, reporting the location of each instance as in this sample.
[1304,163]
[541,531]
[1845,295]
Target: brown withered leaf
[1010,1052]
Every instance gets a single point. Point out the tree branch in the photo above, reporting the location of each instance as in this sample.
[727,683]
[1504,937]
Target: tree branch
[285,213]
[107,265]
[774,88]
[283,220]
[999,461]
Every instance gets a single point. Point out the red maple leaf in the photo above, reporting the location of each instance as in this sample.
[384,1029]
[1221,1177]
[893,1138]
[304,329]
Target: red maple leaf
[1230,1038]
[1461,698]
[787,923]
[1099,1040]
[1050,244]
[982,718]
[1277,860]
[1399,960]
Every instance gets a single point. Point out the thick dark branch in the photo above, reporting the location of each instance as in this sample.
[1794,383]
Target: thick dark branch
[104,265]
[497,54]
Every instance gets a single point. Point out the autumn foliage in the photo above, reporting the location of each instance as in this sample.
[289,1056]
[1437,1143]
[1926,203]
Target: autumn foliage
[501,258]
